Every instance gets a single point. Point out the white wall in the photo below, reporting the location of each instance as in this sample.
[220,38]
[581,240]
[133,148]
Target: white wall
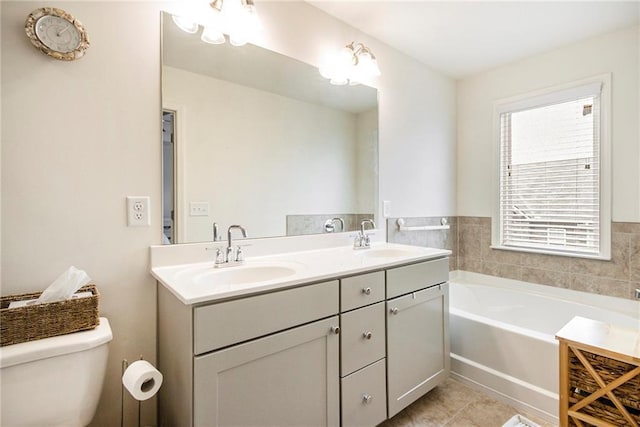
[268,170]
[366,159]
[417,148]
[78,137]
[616,52]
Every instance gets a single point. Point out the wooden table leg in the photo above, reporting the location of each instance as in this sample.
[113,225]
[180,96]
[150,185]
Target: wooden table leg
[564,384]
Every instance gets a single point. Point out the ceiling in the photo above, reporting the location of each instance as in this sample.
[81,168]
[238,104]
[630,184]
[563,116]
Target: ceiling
[460,38]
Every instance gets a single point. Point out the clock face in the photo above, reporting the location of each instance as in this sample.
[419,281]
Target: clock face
[57,33]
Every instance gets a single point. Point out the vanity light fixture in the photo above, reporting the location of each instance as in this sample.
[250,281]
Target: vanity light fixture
[236,18]
[353,64]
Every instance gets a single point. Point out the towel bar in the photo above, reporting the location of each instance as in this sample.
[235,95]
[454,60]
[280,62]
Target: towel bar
[401,227]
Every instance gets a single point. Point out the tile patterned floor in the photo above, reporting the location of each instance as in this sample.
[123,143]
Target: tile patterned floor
[453,404]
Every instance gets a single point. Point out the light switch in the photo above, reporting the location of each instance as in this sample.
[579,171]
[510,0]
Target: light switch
[386,208]
[199,208]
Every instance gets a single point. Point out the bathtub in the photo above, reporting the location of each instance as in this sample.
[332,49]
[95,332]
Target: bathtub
[503,335]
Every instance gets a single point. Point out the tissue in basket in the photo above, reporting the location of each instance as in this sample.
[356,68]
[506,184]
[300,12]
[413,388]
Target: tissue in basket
[38,321]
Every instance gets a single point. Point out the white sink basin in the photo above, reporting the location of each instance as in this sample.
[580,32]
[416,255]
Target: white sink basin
[386,253]
[237,275]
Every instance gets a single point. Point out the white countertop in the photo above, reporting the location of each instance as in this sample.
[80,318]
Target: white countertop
[184,282]
[595,335]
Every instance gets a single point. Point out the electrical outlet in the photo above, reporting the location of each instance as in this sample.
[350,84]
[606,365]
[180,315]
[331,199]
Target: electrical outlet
[138,214]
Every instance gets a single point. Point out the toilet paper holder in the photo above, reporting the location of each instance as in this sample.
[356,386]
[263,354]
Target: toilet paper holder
[146,386]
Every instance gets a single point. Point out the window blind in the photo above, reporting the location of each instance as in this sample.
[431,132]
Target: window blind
[550,172]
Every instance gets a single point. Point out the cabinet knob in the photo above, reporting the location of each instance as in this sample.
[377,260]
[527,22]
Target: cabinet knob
[367,398]
[394,310]
[366,291]
[335,330]
[366,335]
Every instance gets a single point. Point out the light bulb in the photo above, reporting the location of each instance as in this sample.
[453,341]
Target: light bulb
[345,57]
[253,22]
[375,68]
[232,14]
[212,35]
[325,71]
[364,64]
[237,40]
[339,81]
[241,21]
[185,24]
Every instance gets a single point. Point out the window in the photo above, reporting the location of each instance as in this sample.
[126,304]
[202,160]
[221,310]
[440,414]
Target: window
[554,173]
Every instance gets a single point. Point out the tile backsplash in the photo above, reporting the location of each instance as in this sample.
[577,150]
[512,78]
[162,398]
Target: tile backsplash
[470,240]
[298,225]
[442,239]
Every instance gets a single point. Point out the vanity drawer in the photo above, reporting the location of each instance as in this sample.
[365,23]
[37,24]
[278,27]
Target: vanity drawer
[226,323]
[362,337]
[364,400]
[358,291]
[414,277]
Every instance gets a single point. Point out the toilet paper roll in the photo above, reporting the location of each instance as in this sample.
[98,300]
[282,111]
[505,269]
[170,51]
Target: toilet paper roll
[142,380]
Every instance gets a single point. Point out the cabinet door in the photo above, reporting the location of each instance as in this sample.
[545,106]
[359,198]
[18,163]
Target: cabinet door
[286,379]
[417,345]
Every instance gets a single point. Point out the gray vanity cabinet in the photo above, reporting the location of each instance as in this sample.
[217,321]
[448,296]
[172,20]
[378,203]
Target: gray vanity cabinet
[286,379]
[352,351]
[270,359]
[417,332]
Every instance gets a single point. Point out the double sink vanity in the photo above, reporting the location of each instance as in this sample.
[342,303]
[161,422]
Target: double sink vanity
[329,336]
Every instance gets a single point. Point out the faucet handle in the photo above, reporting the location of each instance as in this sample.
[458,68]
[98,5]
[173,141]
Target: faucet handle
[357,242]
[239,254]
[219,257]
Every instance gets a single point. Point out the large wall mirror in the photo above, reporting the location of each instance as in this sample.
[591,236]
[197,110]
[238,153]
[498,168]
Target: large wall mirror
[255,138]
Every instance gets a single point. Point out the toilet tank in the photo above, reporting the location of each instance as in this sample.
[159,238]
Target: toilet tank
[54,381]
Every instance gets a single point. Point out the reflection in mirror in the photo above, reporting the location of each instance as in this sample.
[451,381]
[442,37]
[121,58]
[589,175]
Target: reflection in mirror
[256,138]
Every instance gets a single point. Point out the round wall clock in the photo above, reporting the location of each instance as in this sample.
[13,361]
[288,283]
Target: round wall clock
[56,33]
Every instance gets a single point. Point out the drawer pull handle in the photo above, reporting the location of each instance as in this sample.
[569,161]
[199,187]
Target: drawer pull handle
[335,330]
[367,398]
[394,310]
[367,335]
[366,291]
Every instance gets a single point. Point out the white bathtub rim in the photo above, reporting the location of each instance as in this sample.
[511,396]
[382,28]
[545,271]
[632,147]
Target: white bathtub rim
[622,306]
[530,333]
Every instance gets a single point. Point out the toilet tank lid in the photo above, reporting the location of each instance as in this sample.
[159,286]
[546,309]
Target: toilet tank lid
[55,346]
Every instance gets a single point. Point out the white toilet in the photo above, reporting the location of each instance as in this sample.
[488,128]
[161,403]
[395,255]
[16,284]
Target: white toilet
[54,381]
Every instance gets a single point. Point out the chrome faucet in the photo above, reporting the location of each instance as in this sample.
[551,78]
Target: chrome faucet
[216,233]
[231,256]
[329,226]
[362,240]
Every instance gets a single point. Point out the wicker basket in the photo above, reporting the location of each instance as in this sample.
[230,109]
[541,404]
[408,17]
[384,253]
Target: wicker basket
[608,369]
[603,410]
[582,384]
[38,321]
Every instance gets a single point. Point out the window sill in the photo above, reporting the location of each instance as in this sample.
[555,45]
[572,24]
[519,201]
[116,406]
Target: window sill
[603,257]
